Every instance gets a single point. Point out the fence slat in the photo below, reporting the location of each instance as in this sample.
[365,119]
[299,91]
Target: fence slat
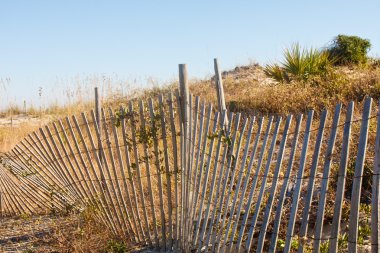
[375,212]
[40,197]
[201,170]
[59,159]
[268,209]
[240,179]
[119,195]
[87,153]
[81,190]
[167,169]
[335,227]
[153,122]
[325,180]
[231,147]
[135,213]
[104,162]
[248,244]
[254,183]
[226,134]
[176,170]
[215,170]
[181,166]
[207,173]
[280,204]
[246,182]
[357,182]
[310,187]
[201,137]
[137,168]
[145,140]
[41,184]
[87,191]
[231,178]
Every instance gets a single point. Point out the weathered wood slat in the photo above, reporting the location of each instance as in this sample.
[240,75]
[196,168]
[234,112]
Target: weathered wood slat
[246,183]
[230,157]
[104,162]
[167,170]
[201,168]
[212,227]
[358,177]
[240,179]
[137,168]
[154,129]
[131,179]
[98,193]
[77,169]
[248,243]
[325,180]
[124,213]
[33,185]
[75,179]
[280,204]
[145,139]
[213,182]
[375,212]
[335,228]
[176,168]
[181,166]
[197,171]
[268,208]
[231,178]
[205,182]
[253,186]
[310,187]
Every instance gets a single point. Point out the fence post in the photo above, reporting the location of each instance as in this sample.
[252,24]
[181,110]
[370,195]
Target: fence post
[219,86]
[184,95]
[98,123]
[97,116]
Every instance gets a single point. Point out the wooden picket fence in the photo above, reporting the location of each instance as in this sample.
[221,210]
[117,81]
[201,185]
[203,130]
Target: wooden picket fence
[173,173]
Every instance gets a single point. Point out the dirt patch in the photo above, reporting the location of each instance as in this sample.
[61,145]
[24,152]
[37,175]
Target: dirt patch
[33,234]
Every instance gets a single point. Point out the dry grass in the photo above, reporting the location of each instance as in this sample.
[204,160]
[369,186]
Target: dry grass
[247,89]
[79,233]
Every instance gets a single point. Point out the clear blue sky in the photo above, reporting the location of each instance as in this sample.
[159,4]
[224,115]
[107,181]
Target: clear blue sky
[42,41]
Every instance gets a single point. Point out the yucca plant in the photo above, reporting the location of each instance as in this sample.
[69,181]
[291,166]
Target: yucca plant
[276,72]
[299,64]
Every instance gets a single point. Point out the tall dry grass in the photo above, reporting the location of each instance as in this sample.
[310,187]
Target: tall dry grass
[246,90]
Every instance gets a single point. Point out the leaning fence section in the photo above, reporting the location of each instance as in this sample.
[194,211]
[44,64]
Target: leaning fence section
[175,173]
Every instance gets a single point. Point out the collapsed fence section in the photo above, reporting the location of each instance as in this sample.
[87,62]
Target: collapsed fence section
[174,173]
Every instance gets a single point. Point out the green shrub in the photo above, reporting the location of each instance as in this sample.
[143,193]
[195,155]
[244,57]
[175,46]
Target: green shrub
[116,247]
[349,49]
[300,64]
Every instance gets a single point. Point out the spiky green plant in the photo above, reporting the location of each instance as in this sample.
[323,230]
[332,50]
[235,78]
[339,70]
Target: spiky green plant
[300,64]
[276,72]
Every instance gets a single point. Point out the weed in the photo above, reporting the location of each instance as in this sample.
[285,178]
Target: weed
[114,246]
[324,247]
[280,244]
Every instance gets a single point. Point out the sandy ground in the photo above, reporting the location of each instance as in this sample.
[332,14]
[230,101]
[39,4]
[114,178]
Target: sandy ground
[17,120]
[31,234]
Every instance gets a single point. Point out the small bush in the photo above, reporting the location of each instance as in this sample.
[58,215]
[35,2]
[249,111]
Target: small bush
[349,49]
[116,247]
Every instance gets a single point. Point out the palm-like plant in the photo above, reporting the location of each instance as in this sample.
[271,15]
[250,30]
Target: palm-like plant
[299,64]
